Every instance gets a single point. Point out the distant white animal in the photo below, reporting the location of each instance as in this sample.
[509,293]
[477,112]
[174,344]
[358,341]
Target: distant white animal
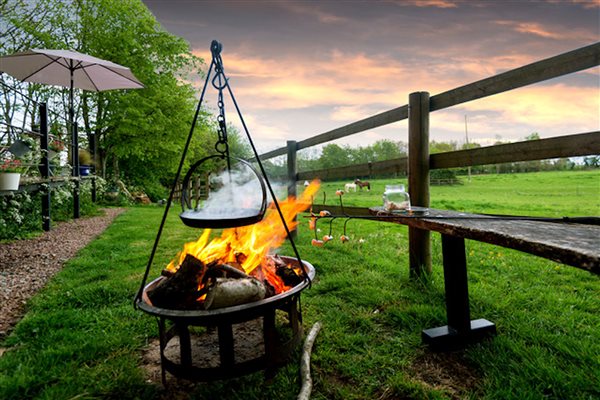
[350,186]
[306,183]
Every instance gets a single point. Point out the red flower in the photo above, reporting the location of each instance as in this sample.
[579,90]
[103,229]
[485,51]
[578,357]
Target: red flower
[11,166]
[56,145]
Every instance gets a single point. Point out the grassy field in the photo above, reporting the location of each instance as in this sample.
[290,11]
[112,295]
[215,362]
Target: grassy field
[552,194]
[82,339]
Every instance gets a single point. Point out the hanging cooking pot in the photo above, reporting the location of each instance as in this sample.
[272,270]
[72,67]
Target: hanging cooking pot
[221,191]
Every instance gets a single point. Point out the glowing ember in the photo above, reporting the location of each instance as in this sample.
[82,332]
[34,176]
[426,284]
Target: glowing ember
[249,246]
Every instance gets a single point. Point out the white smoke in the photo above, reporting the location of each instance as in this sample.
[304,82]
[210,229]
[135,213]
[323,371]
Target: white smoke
[232,194]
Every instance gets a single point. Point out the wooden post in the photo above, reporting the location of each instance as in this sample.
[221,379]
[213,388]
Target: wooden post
[75,172]
[292,165]
[94,190]
[95,167]
[45,192]
[418,179]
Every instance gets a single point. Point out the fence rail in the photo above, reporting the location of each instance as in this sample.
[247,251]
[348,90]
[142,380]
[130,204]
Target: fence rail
[419,161]
[553,67]
[575,145]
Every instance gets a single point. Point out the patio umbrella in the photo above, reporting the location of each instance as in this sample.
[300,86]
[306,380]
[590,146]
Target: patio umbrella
[68,69]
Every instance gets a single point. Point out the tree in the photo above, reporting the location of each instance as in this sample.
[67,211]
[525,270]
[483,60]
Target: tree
[142,127]
[308,159]
[441,147]
[334,155]
[361,155]
[387,150]
[592,161]
[137,135]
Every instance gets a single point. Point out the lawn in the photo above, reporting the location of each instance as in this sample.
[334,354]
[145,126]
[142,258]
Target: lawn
[81,337]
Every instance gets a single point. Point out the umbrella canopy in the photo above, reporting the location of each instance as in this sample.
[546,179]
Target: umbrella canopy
[68,69]
[72,70]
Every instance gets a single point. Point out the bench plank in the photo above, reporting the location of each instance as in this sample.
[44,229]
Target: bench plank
[574,244]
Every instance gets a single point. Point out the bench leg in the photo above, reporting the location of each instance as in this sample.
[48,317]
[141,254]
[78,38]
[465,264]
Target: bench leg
[460,330]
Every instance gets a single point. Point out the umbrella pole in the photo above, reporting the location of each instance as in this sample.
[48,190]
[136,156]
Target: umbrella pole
[74,147]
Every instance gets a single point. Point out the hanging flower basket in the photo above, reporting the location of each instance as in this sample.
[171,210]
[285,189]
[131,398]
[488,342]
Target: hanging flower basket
[9,180]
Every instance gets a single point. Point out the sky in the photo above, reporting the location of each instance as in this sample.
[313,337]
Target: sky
[302,68]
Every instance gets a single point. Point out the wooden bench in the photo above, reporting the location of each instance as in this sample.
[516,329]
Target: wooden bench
[563,241]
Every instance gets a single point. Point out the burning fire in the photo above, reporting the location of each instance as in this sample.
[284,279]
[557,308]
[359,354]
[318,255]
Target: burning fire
[249,245]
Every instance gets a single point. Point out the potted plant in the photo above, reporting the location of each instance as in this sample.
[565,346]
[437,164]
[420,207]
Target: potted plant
[85,162]
[10,173]
[56,144]
[54,147]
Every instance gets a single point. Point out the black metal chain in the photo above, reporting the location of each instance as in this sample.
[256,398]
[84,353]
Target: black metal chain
[219,82]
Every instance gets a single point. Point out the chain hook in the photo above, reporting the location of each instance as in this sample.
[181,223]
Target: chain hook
[215,49]
[219,82]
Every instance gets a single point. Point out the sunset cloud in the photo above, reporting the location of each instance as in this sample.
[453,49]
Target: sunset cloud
[303,68]
[587,4]
[429,3]
[293,83]
[312,10]
[551,32]
[550,110]
[366,86]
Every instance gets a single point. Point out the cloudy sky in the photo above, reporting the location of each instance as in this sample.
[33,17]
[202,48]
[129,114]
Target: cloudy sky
[301,68]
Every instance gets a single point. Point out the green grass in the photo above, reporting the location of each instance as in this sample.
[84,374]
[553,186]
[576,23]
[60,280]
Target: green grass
[81,337]
[552,194]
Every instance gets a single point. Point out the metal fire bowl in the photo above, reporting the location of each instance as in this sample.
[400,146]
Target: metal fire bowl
[233,314]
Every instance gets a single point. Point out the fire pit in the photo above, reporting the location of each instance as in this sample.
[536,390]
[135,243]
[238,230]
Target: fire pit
[227,306]
[181,351]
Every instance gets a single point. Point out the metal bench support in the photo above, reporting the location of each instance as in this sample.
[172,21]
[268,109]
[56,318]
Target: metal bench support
[460,330]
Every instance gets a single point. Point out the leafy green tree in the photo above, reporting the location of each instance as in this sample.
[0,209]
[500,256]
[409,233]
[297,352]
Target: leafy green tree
[388,150]
[144,127]
[308,160]
[592,161]
[441,147]
[137,135]
[334,155]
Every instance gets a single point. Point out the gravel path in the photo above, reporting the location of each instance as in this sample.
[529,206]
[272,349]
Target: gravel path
[26,265]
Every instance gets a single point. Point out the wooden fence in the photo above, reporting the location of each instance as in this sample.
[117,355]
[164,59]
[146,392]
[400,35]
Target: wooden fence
[198,190]
[419,162]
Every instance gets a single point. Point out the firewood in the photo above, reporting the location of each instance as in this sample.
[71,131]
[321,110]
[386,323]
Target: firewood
[270,289]
[167,273]
[233,271]
[180,291]
[307,383]
[278,261]
[227,292]
[285,272]
[288,276]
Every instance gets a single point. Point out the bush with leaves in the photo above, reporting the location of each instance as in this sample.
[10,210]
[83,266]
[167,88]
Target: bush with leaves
[19,215]
[20,212]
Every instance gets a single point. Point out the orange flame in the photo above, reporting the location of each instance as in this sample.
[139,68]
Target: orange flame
[249,245]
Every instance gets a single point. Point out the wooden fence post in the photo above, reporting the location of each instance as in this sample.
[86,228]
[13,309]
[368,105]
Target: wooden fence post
[45,170]
[418,180]
[292,167]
